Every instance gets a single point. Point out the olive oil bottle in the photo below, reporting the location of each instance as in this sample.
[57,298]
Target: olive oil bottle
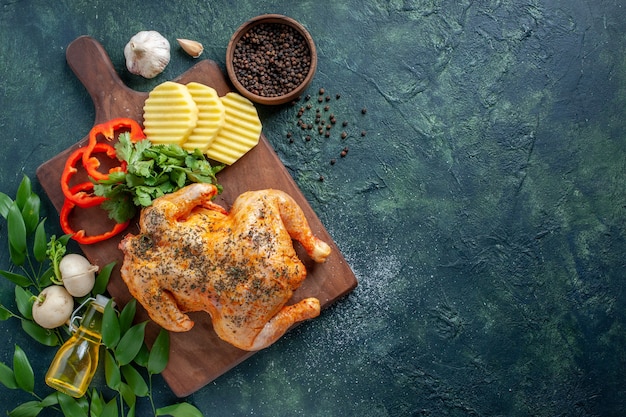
[75,364]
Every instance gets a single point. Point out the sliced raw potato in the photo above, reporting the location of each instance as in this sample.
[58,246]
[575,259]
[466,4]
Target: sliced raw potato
[210,117]
[170,114]
[241,130]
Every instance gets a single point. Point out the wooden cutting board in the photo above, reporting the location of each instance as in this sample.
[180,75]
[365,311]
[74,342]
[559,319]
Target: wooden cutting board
[198,356]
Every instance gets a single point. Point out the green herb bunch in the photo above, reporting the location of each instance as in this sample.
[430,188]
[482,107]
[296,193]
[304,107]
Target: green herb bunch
[129,365]
[151,172]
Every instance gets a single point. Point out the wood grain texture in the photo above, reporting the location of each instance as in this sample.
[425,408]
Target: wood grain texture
[196,357]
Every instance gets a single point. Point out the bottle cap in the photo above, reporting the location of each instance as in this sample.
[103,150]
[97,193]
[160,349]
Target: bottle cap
[102,300]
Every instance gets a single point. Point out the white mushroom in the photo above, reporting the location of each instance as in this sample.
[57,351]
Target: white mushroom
[78,274]
[53,307]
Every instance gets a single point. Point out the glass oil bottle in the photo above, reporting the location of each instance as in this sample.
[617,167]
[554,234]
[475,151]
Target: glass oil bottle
[75,363]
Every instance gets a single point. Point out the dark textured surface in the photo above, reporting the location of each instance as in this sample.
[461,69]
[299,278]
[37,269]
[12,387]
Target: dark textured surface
[483,212]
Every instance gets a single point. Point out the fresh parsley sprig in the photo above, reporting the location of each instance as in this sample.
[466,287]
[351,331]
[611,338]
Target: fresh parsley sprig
[151,172]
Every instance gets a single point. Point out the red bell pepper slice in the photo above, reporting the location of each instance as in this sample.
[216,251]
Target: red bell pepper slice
[80,236]
[108,129]
[81,197]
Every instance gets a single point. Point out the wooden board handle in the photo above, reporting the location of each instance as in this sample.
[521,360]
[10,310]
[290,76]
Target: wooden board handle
[111,97]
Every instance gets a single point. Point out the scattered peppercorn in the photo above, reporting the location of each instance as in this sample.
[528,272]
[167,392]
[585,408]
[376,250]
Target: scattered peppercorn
[363,133]
[326,108]
[308,97]
[288,134]
[320,99]
[327,134]
[321,91]
[345,123]
[344,135]
[321,178]
[343,154]
[333,161]
[337,96]
[308,138]
[327,98]
[363,110]
[271,59]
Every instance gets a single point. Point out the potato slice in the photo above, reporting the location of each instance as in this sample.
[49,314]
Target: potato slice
[210,117]
[169,114]
[241,130]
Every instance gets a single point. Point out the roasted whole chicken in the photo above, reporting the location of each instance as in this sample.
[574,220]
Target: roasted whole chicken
[238,266]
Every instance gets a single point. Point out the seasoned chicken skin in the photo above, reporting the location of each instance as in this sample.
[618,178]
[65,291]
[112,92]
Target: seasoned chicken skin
[240,267]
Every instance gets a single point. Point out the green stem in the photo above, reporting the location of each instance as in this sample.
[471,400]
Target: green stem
[150,397]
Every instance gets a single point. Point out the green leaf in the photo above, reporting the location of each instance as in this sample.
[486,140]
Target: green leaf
[71,406]
[27,409]
[30,212]
[7,377]
[142,357]
[102,279]
[45,280]
[111,371]
[110,326]
[50,400]
[24,301]
[130,343]
[17,257]
[135,380]
[40,242]
[24,191]
[110,409]
[160,353]
[127,315]
[5,203]
[5,313]
[17,235]
[24,375]
[179,410]
[127,394]
[17,279]
[44,336]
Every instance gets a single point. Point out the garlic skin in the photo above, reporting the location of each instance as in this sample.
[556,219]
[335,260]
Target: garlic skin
[193,48]
[147,53]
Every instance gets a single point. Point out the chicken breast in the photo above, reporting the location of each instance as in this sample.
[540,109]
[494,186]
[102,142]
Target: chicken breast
[240,267]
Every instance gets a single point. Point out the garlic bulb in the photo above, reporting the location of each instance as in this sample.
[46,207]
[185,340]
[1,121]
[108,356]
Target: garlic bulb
[147,53]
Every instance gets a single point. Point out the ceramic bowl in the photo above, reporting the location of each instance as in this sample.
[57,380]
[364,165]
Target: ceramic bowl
[287,70]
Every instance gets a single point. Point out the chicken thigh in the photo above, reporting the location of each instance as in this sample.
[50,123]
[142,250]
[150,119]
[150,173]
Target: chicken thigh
[240,267]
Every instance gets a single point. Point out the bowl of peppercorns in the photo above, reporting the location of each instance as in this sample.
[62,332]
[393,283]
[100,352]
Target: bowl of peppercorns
[271,59]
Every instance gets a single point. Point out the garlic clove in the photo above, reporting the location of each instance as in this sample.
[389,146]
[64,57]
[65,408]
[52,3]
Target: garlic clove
[193,48]
[147,53]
